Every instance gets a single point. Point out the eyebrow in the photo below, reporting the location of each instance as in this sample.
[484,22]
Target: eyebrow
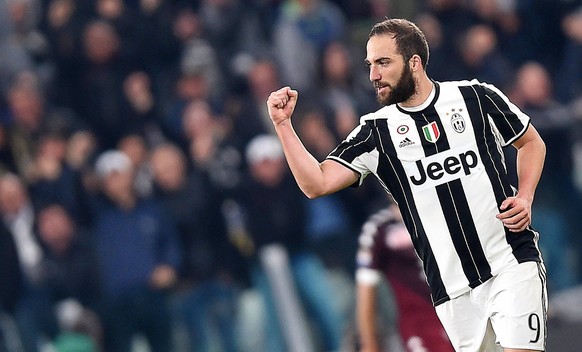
[383,58]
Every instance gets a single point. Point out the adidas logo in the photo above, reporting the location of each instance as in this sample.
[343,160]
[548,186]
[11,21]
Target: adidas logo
[405,143]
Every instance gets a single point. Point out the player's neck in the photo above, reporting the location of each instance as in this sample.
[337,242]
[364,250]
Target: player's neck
[424,89]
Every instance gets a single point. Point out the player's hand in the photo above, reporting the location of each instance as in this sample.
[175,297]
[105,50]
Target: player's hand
[281,104]
[515,213]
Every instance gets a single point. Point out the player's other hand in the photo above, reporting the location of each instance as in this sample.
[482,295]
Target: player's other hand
[281,104]
[515,213]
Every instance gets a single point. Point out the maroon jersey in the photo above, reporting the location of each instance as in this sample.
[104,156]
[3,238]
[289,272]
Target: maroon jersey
[386,248]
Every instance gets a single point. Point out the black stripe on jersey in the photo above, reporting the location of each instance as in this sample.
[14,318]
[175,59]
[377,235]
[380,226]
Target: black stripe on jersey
[346,152]
[424,118]
[453,200]
[393,177]
[349,151]
[464,234]
[522,243]
[507,122]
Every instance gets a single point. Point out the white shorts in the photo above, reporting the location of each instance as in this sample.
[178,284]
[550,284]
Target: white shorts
[507,311]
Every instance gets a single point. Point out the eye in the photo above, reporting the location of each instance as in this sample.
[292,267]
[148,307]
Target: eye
[383,62]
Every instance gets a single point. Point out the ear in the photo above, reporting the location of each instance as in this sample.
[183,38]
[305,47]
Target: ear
[415,63]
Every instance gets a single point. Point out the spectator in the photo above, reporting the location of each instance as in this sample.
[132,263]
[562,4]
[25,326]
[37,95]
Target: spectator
[538,36]
[443,61]
[127,26]
[568,82]
[141,109]
[135,146]
[208,282]
[454,18]
[10,272]
[198,56]
[81,146]
[11,287]
[210,147]
[62,23]
[159,49]
[233,28]
[7,156]
[52,179]
[33,312]
[481,58]
[70,273]
[98,83]
[14,56]
[304,28]
[344,94]
[136,281]
[252,118]
[188,86]
[28,116]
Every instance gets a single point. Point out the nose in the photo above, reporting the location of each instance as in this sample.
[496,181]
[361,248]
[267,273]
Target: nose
[374,73]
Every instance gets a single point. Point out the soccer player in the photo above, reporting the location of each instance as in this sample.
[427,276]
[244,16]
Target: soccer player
[436,147]
[385,249]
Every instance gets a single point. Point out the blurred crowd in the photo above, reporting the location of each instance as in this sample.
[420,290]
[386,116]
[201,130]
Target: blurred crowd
[142,190]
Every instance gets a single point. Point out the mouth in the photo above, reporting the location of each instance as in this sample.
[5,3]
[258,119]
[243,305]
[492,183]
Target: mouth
[382,88]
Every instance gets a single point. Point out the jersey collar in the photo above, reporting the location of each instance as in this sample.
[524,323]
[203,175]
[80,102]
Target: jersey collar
[434,93]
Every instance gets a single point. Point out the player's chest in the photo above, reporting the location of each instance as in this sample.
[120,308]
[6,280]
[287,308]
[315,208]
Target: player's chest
[416,136]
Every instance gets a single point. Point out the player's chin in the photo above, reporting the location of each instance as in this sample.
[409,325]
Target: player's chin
[383,98]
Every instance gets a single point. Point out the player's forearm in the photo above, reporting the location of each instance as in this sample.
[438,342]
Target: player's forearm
[305,168]
[530,162]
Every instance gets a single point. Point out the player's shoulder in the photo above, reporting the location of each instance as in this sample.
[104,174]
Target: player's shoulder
[465,83]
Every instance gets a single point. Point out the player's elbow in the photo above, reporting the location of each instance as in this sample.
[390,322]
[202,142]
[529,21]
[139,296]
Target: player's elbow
[314,190]
[542,148]
[331,179]
[313,193]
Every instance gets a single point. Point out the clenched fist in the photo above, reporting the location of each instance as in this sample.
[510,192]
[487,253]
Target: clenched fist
[281,104]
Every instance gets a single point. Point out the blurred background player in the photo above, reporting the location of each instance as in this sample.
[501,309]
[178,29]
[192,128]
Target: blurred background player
[385,249]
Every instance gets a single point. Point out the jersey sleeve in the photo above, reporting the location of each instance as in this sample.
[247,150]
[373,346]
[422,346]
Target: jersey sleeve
[357,152]
[509,121]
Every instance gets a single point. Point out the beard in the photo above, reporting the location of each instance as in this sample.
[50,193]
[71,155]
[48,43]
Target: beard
[402,91]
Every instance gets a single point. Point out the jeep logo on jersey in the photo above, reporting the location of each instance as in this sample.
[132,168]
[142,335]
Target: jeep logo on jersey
[431,132]
[442,167]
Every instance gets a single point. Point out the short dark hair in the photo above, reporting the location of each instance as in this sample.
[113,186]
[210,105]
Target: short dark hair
[409,38]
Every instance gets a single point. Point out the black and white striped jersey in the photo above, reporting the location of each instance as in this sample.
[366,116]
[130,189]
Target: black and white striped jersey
[443,164]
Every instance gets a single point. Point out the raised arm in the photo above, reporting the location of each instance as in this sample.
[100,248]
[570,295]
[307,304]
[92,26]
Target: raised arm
[531,152]
[315,179]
